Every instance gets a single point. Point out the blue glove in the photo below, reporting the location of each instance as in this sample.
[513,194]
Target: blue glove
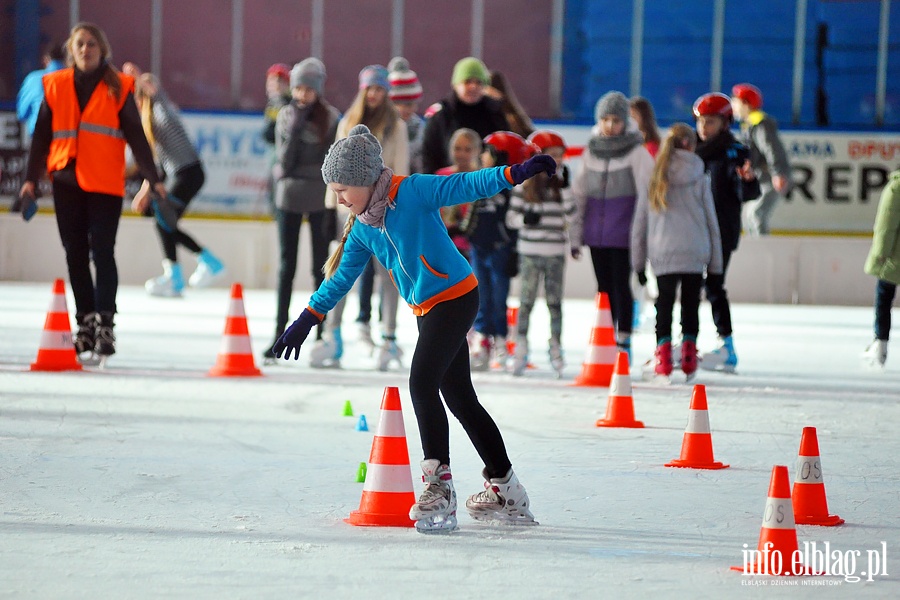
[294,336]
[542,163]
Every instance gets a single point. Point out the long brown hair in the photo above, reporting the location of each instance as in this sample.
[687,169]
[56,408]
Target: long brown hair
[380,121]
[648,119]
[541,188]
[111,74]
[516,117]
[681,135]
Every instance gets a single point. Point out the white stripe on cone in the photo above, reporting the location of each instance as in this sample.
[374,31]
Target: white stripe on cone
[391,424]
[698,421]
[601,355]
[58,304]
[390,478]
[809,470]
[235,344]
[779,514]
[236,308]
[621,385]
[56,340]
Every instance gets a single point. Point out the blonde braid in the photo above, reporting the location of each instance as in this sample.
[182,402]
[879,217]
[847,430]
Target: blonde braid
[334,260]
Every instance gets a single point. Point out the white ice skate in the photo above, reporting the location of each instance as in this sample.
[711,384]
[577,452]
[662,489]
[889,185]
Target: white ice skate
[480,359]
[722,359]
[327,352]
[876,354]
[504,501]
[365,336]
[519,362]
[389,352]
[168,285]
[557,360]
[435,511]
[209,270]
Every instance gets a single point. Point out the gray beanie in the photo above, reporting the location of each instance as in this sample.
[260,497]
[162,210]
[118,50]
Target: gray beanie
[612,103]
[354,160]
[309,72]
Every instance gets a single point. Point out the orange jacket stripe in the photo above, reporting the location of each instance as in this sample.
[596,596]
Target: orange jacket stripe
[94,136]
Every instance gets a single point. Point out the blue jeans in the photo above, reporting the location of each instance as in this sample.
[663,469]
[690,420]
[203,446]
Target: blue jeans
[884,298]
[489,267]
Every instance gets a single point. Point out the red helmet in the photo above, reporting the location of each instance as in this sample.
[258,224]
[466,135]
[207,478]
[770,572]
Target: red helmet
[281,70]
[714,104]
[513,145]
[749,94]
[546,138]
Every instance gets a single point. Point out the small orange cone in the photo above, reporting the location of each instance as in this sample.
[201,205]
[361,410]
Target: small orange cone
[235,354]
[620,406]
[696,446]
[810,505]
[388,492]
[597,368]
[57,351]
[778,535]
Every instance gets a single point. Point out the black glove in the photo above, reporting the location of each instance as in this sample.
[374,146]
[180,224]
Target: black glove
[295,335]
[532,218]
[27,205]
[542,163]
[642,278]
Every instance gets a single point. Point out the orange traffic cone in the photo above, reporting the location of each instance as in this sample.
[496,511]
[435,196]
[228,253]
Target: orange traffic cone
[235,354]
[388,492]
[620,406]
[810,506]
[696,446]
[777,546]
[597,368]
[57,351]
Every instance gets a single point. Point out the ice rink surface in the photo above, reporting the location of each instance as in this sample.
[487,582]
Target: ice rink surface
[149,479]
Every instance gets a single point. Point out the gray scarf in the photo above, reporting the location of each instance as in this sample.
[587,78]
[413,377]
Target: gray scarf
[614,146]
[379,201]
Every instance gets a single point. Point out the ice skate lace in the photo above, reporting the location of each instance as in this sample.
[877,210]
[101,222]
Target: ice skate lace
[105,334]
[435,490]
[488,495]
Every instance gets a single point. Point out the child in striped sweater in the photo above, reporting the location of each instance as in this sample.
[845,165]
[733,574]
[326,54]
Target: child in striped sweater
[541,209]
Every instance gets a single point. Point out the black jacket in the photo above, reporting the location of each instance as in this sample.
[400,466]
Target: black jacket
[721,156]
[485,117]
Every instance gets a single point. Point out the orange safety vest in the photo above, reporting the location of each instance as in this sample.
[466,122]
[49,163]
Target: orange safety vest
[93,137]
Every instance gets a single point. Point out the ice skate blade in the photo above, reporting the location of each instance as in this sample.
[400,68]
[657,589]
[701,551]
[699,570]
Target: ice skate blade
[331,364]
[437,526]
[94,360]
[493,519]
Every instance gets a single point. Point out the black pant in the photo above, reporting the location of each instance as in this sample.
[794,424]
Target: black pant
[691,284]
[718,298]
[185,185]
[612,266]
[366,284]
[440,366]
[884,298]
[88,223]
[289,223]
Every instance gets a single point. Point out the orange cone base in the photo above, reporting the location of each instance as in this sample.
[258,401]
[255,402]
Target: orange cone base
[235,368]
[56,360]
[372,520]
[829,521]
[611,423]
[383,509]
[689,464]
[594,376]
[758,570]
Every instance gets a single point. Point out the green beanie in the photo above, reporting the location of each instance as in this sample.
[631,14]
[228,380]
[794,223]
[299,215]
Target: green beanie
[470,68]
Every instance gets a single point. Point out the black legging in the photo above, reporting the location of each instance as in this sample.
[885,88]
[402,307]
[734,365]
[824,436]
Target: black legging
[185,185]
[718,298]
[88,223]
[440,366]
[612,267]
[691,284]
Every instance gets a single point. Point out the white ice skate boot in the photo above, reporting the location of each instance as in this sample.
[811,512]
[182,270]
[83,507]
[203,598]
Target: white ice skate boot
[168,285]
[520,359]
[327,352]
[876,354]
[557,360]
[388,353]
[723,358]
[480,358]
[365,336]
[435,511]
[503,500]
[209,270]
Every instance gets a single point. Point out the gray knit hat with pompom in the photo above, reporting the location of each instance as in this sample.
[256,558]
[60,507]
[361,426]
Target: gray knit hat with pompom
[354,160]
[612,103]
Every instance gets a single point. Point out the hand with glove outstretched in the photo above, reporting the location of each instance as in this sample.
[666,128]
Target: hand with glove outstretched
[294,336]
[541,163]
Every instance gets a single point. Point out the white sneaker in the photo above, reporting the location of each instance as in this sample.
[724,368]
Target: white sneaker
[435,511]
[503,500]
[876,354]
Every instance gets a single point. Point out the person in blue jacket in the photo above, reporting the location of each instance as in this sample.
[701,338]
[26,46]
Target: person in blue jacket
[397,220]
[31,94]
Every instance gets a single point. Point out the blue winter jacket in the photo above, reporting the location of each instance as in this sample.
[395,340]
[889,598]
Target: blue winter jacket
[413,244]
[31,94]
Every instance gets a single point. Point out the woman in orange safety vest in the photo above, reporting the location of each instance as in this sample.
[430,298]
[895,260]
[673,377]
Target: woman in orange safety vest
[87,117]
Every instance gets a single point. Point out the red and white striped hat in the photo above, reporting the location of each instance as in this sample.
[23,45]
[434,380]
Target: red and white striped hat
[405,86]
